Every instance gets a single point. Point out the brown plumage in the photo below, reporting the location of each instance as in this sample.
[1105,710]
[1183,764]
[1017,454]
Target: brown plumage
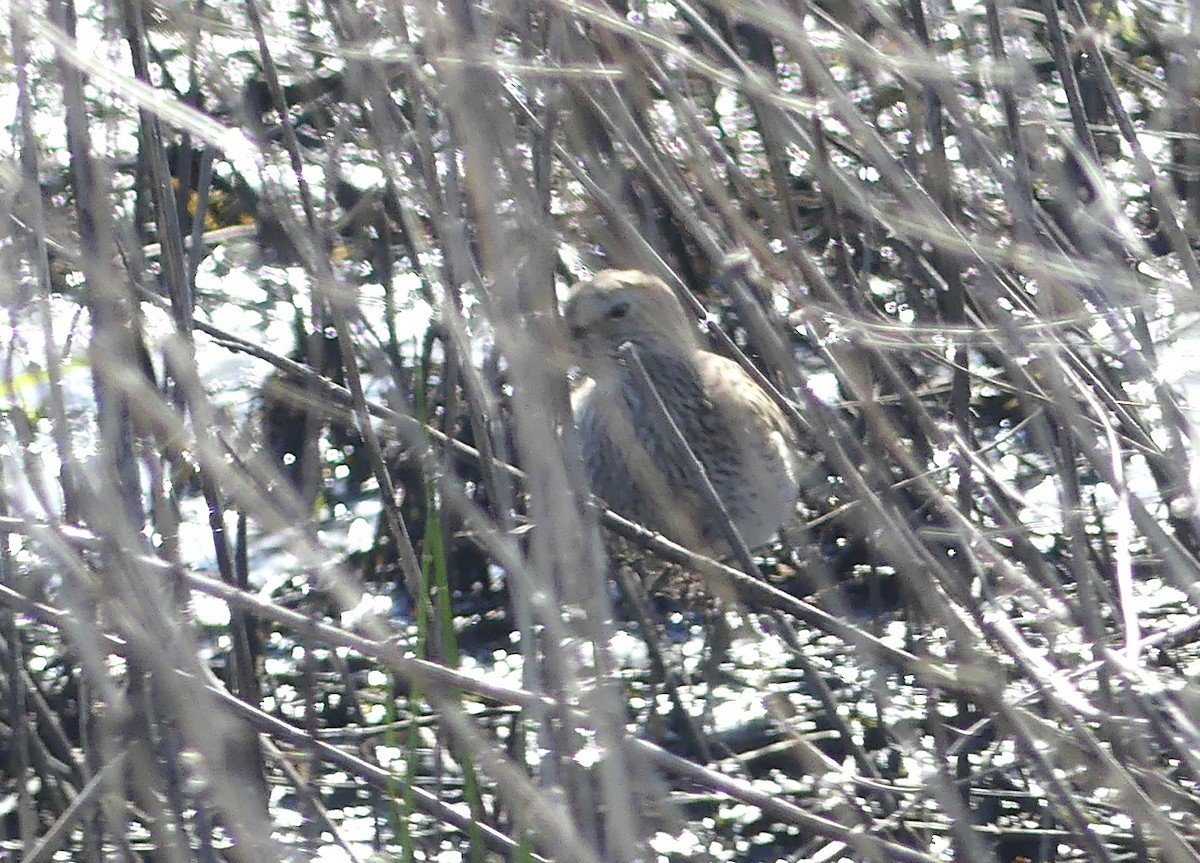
[739,435]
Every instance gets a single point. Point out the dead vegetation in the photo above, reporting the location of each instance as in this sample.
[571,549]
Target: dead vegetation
[278,275]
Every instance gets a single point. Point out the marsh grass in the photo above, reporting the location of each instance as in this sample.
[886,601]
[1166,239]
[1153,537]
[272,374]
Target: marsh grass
[278,278]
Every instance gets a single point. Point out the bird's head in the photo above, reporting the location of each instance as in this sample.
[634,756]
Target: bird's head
[619,306]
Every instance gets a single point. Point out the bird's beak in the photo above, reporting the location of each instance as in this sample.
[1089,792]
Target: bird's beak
[547,333]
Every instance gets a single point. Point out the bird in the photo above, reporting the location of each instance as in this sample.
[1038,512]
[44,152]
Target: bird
[737,432]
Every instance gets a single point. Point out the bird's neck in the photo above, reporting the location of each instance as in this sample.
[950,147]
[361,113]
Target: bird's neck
[674,371]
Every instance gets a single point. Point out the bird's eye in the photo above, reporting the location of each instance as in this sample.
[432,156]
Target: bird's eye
[618,311]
